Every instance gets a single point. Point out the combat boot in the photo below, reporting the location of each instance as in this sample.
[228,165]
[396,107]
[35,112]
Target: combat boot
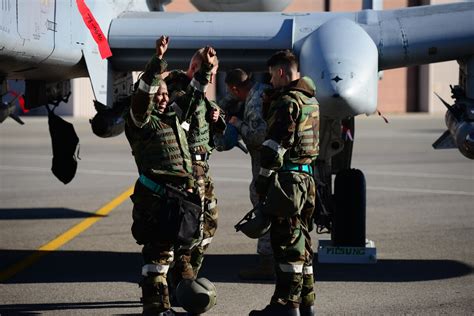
[155,297]
[264,270]
[277,310]
[307,310]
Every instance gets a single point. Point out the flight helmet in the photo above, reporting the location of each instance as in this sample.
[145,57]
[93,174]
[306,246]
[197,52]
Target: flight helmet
[196,296]
[255,224]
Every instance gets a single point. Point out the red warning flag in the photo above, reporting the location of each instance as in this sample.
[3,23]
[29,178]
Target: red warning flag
[94,28]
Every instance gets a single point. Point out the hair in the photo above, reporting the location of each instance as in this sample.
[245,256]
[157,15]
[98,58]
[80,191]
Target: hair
[237,77]
[283,58]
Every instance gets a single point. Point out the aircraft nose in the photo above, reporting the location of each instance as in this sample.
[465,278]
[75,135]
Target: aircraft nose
[344,66]
[346,90]
[335,86]
[338,89]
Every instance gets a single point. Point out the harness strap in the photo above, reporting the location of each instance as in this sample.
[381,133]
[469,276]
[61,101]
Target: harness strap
[152,185]
[289,166]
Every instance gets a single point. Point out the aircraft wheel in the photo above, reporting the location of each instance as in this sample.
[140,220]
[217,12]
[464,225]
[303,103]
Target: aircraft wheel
[350,202]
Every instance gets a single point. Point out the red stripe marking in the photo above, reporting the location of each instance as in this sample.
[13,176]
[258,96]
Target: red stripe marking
[95,29]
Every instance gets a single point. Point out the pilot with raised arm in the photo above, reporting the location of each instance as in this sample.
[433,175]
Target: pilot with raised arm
[201,127]
[253,129]
[286,182]
[164,189]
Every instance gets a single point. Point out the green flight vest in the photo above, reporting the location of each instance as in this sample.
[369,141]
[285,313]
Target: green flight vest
[160,147]
[305,147]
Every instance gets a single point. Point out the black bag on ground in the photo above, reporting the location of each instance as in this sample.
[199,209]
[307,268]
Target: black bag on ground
[64,142]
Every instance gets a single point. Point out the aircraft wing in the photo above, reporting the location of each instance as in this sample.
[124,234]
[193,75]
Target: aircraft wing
[421,35]
[403,37]
[343,52]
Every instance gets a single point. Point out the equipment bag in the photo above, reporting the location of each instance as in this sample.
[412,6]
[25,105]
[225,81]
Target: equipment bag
[169,216]
[64,142]
[189,210]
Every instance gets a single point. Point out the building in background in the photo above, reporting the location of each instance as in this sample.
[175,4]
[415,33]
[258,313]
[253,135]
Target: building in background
[401,90]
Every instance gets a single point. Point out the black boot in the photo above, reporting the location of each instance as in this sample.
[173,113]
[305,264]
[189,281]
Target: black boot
[307,310]
[276,310]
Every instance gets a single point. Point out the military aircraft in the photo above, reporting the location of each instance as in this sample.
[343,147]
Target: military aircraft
[48,42]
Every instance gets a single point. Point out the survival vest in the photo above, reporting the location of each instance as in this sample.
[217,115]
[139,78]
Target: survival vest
[160,147]
[305,148]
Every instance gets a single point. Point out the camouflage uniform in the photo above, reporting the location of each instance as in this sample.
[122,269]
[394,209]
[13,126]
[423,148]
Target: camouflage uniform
[253,129]
[200,132]
[161,153]
[291,146]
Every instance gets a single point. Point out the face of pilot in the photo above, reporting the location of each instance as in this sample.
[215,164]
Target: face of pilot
[161,98]
[278,77]
[236,92]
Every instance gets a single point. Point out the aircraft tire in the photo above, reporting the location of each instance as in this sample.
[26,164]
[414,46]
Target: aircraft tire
[350,202]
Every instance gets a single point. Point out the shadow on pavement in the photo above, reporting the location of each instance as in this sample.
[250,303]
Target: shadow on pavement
[218,267]
[43,213]
[38,309]
[97,266]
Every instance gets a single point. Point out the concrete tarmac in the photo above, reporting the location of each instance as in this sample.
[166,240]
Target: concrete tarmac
[420,214]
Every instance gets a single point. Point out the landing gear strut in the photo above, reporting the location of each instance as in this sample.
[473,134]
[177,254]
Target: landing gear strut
[345,204]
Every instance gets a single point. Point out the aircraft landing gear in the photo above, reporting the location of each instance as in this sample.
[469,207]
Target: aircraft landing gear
[342,208]
[348,243]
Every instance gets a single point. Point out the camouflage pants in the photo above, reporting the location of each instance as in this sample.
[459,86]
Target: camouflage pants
[264,246]
[161,255]
[205,188]
[291,243]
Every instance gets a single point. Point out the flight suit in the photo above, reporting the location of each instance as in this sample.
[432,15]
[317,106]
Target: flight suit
[290,148]
[159,146]
[253,129]
[200,134]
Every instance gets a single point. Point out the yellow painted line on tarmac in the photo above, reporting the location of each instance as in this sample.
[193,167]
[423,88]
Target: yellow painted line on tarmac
[65,237]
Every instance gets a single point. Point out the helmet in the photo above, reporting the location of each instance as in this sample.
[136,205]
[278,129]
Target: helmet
[255,224]
[108,122]
[196,296]
[228,140]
